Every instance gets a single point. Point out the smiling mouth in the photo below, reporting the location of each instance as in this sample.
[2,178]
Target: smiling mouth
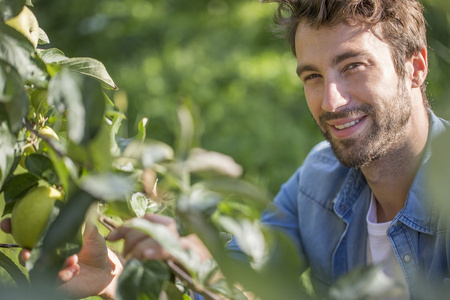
[347,125]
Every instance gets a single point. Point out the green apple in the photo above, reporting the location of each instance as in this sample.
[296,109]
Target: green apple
[26,23]
[28,149]
[31,214]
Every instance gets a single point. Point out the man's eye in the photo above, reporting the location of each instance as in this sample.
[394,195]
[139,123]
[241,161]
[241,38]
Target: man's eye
[312,76]
[352,66]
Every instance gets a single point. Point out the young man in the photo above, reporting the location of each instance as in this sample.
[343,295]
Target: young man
[359,197]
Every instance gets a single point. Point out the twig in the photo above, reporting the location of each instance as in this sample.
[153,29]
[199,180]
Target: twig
[49,142]
[176,269]
[9,246]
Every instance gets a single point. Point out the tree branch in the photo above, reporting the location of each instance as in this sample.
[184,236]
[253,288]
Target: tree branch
[9,246]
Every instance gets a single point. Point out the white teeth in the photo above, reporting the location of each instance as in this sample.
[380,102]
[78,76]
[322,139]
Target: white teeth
[347,125]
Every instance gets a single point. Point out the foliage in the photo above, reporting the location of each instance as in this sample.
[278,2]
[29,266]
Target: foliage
[231,79]
[59,128]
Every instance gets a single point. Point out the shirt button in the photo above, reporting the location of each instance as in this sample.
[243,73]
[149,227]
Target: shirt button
[407,258]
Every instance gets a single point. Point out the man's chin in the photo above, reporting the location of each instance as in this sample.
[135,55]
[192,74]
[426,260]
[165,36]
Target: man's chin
[350,156]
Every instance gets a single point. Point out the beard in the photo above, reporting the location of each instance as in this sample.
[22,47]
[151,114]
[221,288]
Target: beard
[388,126]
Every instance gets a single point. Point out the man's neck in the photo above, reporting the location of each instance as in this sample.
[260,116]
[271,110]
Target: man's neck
[391,176]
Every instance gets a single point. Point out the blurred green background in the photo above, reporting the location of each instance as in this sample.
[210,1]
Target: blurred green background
[220,57]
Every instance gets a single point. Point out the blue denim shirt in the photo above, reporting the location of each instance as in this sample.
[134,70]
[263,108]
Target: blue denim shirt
[323,208]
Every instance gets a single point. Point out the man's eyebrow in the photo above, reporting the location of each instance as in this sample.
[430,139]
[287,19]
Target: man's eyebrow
[305,68]
[337,60]
[341,57]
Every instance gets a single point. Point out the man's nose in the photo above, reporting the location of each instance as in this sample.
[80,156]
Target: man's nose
[333,97]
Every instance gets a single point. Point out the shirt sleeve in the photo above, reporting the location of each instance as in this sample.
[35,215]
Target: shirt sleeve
[282,214]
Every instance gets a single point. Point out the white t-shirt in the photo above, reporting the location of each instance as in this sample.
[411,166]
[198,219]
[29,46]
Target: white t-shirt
[379,249]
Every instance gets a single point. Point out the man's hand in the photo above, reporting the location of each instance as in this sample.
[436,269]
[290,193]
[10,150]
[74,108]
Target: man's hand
[99,268]
[141,246]
[93,271]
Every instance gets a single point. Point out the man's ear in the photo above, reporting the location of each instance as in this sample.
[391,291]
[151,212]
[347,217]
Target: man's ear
[419,62]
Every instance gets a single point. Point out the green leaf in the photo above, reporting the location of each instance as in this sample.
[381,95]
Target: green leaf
[82,100]
[109,187]
[186,132]
[200,200]
[7,157]
[173,293]
[64,168]
[149,153]
[43,38]
[52,55]
[13,270]
[10,8]
[438,173]
[91,67]
[41,166]
[141,130]
[139,203]
[14,101]
[368,282]
[17,51]
[249,236]
[142,280]
[222,287]
[202,161]
[16,187]
[239,188]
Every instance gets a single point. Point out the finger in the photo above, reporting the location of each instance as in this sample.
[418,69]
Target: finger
[117,234]
[69,270]
[6,225]
[70,261]
[91,234]
[68,273]
[94,250]
[133,238]
[149,249]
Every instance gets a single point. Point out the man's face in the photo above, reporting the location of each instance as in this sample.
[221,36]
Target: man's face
[353,91]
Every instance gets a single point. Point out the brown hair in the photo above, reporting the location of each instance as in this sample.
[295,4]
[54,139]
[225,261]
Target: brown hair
[401,22]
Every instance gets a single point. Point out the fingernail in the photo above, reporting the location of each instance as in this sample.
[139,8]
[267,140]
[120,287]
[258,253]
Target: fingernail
[149,253]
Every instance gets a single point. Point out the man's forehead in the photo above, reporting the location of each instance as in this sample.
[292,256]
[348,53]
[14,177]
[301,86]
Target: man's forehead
[313,39]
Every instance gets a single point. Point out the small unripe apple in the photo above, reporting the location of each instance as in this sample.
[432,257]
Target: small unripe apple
[31,214]
[29,149]
[49,133]
[26,23]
